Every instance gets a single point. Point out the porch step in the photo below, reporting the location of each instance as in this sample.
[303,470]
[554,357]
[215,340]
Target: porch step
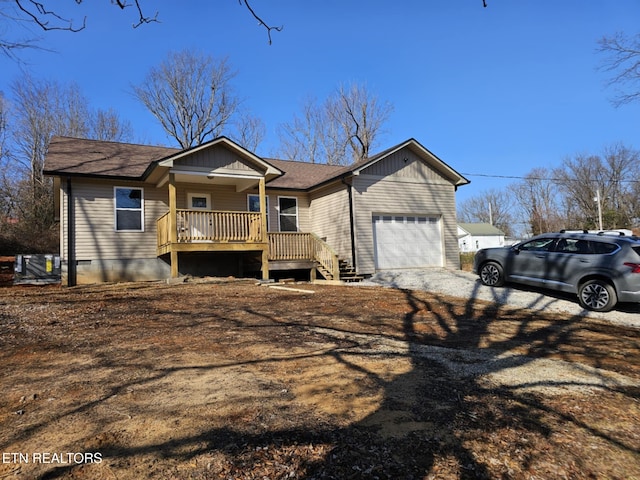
[348,273]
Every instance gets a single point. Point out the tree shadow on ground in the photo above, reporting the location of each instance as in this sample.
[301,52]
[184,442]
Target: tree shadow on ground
[432,419]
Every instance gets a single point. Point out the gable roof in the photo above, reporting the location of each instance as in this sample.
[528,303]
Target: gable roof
[253,159]
[78,156]
[485,229]
[69,156]
[432,160]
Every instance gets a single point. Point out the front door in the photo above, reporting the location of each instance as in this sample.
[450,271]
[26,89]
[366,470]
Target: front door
[200,223]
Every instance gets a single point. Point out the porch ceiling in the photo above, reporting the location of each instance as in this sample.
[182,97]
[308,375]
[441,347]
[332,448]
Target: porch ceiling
[241,182]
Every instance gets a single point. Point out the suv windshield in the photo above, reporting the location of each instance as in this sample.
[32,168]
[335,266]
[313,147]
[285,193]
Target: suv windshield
[540,244]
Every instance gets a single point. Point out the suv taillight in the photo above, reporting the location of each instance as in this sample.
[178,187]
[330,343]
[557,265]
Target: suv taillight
[635,267]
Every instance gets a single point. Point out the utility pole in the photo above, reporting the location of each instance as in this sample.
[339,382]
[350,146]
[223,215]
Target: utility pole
[597,199]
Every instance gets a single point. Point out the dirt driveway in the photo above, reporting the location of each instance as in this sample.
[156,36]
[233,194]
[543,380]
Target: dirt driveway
[231,380]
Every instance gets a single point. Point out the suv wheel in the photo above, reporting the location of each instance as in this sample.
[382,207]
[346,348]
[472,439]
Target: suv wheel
[597,295]
[491,274]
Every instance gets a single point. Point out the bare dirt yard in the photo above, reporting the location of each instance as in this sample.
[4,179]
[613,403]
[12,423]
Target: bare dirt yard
[232,380]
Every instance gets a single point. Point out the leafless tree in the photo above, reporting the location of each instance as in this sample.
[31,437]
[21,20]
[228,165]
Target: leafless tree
[44,108]
[249,131]
[491,206]
[302,139]
[611,177]
[536,196]
[622,61]
[340,131]
[41,109]
[108,125]
[190,95]
[359,116]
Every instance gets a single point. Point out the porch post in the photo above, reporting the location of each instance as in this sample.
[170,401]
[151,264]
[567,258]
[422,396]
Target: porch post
[173,227]
[265,235]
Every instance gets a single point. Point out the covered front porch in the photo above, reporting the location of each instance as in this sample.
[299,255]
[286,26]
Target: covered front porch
[192,231]
[222,174]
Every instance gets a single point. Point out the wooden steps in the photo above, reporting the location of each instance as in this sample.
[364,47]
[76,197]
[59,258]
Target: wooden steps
[348,273]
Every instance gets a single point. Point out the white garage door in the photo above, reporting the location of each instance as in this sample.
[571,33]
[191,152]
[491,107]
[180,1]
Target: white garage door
[407,241]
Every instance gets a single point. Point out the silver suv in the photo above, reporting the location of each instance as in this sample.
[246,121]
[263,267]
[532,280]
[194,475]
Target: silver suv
[601,268]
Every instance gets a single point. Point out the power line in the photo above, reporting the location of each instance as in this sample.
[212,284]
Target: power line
[547,179]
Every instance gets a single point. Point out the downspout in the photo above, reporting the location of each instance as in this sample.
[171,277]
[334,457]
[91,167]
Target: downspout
[352,231]
[71,238]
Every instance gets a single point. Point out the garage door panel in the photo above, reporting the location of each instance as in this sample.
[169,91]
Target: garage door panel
[407,241]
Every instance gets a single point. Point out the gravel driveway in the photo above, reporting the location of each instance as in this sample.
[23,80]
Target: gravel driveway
[459,283]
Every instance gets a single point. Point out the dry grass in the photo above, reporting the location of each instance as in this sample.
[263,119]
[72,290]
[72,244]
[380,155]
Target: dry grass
[233,380]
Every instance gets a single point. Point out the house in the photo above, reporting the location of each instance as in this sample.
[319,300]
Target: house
[474,236]
[135,212]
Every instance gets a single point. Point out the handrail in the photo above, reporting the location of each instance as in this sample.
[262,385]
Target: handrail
[326,256]
[232,226]
[303,246]
[164,238]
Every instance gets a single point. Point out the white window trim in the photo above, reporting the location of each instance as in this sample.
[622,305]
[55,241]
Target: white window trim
[190,196]
[297,212]
[115,208]
[249,195]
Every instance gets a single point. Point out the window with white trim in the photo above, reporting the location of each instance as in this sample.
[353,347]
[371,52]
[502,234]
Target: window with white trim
[288,214]
[129,209]
[253,204]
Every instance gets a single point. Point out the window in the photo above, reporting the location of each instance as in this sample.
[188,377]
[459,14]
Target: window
[199,201]
[129,210]
[253,204]
[538,245]
[288,210]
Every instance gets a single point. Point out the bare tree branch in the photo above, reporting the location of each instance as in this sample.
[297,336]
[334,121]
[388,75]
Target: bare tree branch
[41,16]
[143,18]
[623,61]
[260,20]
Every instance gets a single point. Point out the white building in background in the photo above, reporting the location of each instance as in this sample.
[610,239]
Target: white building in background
[474,236]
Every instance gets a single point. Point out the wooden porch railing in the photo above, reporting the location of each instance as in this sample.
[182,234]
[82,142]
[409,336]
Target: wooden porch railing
[162,224]
[211,226]
[194,226]
[304,246]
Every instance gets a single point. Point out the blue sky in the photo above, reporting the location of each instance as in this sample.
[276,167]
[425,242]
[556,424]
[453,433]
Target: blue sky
[495,91]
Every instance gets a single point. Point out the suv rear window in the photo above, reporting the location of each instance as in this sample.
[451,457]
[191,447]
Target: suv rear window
[604,248]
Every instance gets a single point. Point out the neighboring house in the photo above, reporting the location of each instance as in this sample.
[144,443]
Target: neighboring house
[134,212]
[474,236]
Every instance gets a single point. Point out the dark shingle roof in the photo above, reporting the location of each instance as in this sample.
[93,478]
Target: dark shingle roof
[304,175]
[96,158]
[76,156]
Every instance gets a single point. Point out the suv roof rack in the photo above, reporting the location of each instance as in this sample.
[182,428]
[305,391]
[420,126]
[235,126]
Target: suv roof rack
[619,233]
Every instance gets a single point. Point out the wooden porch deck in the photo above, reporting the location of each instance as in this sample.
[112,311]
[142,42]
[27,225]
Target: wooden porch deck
[214,231]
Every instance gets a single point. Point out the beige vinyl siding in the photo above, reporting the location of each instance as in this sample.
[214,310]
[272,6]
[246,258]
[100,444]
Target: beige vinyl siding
[223,197]
[404,164]
[373,194]
[213,158]
[330,218]
[304,220]
[96,237]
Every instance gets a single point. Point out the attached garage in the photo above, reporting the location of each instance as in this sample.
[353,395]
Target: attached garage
[407,241]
